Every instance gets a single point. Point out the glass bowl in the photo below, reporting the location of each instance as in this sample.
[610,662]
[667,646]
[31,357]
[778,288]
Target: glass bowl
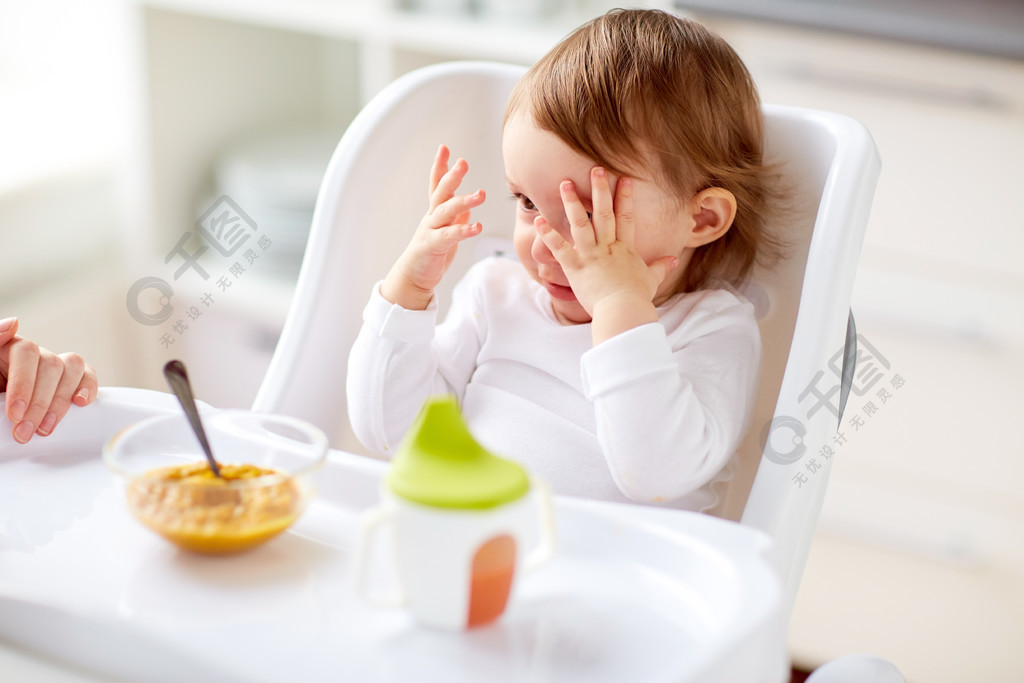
[267,462]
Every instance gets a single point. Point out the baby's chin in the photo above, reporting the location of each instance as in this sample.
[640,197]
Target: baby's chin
[566,308]
[569,312]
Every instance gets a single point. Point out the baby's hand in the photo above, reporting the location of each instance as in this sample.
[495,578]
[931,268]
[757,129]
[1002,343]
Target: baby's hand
[418,271]
[40,385]
[607,275]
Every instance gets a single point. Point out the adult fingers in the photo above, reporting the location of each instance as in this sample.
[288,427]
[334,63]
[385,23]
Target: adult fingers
[579,222]
[88,388]
[8,328]
[604,213]
[50,369]
[68,388]
[22,363]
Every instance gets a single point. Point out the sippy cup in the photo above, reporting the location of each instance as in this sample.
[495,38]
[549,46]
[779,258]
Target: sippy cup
[460,520]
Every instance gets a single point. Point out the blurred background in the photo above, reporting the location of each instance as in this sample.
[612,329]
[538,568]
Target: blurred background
[124,123]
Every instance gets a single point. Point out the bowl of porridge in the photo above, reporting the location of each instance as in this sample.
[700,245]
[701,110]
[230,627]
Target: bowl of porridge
[267,477]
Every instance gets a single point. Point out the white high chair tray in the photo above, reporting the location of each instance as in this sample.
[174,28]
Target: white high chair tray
[632,594]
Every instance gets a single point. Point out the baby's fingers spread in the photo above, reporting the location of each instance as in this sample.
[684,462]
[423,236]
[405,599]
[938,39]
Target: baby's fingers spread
[604,215]
[624,222]
[456,209]
[449,183]
[438,170]
[559,247]
[579,221]
[460,231]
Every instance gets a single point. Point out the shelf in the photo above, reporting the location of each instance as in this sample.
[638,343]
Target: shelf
[465,37]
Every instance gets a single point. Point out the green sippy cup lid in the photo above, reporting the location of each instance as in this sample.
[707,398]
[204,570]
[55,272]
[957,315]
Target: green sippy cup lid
[440,464]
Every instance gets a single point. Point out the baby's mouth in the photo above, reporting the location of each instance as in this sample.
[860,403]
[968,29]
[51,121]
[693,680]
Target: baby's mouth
[560,291]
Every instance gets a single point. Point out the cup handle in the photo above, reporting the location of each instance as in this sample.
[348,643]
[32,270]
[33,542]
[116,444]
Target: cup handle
[546,547]
[371,522]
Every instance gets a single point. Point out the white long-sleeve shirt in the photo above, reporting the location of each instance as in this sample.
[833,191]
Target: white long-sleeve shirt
[652,415]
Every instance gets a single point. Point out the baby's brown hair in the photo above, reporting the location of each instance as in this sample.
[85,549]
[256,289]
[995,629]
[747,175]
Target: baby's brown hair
[645,91]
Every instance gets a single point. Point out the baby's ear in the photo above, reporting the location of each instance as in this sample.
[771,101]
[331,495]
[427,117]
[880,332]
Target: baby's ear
[713,211]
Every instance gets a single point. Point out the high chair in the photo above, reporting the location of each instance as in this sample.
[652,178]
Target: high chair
[375,192]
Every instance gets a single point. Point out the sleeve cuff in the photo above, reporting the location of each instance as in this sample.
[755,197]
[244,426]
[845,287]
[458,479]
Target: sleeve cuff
[391,321]
[626,358]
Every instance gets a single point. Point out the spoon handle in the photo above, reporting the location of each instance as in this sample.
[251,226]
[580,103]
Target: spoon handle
[177,378]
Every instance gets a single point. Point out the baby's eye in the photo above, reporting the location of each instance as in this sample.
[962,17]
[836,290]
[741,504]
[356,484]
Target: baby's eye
[524,202]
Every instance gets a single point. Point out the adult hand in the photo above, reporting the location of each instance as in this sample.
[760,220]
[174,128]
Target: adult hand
[418,271]
[40,384]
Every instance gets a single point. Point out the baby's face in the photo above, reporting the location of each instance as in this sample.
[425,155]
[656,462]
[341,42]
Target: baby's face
[536,162]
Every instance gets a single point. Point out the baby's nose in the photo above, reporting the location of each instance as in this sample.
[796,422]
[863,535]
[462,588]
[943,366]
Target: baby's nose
[540,251]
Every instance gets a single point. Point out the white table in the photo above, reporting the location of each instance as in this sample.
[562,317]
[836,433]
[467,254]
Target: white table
[633,593]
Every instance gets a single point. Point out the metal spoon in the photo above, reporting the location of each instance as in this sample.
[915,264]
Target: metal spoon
[177,378]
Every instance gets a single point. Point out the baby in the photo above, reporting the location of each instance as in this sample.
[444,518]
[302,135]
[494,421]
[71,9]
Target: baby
[40,385]
[614,360]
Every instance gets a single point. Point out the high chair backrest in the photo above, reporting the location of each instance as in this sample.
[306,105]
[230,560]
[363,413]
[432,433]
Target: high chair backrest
[375,192]
[808,333]
[373,195]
